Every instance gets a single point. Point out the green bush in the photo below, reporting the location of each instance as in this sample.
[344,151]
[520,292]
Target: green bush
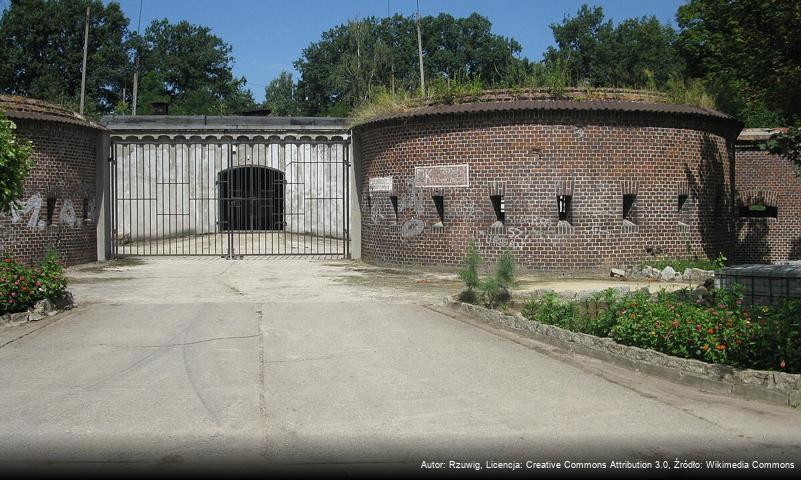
[595,316]
[718,333]
[777,345]
[469,272]
[22,286]
[15,163]
[496,289]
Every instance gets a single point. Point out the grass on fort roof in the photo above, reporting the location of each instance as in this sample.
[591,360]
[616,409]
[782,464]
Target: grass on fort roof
[452,92]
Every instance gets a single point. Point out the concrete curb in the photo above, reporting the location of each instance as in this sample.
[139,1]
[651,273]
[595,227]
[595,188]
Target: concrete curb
[767,386]
[42,309]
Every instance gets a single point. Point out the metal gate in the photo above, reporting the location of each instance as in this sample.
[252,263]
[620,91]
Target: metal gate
[230,199]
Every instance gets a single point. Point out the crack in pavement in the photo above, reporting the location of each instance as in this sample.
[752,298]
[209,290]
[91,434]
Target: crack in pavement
[180,344]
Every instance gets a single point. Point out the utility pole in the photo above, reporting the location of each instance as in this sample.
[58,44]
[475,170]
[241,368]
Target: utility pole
[85,52]
[391,52]
[136,69]
[420,53]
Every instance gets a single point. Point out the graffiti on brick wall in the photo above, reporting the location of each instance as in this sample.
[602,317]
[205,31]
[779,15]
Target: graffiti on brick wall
[412,228]
[33,207]
[90,212]
[411,198]
[467,211]
[67,215]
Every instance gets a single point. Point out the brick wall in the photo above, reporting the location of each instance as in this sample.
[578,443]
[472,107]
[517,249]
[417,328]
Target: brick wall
[534,157]
[64,169]
[773,180]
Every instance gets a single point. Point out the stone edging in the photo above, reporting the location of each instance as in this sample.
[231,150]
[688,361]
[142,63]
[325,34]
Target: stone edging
[774,387]
[43,309]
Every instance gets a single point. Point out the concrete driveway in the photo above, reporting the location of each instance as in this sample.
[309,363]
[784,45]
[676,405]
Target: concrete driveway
[298,363]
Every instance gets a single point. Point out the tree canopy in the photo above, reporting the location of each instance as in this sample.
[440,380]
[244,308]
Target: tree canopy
[41,51]
[749,53]
[743,54]
[353,61]
[189,66]
[280,96]
[629,54]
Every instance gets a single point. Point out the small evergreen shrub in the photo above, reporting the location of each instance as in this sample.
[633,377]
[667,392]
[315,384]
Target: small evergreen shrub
[469,273]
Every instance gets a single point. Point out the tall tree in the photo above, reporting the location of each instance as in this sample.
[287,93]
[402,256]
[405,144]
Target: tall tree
[281,96]
[596,51]
[41,51]
[749,51]
[191,67]
[353,61]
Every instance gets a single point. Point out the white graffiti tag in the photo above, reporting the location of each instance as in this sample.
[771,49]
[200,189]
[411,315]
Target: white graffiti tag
[31,206]
[67,215]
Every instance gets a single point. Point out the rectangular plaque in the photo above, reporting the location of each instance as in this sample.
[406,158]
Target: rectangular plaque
[442,176]
[380,184]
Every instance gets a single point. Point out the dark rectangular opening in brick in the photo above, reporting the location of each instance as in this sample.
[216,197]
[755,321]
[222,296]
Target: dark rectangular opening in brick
[85,209]
[758,210]
[564,205]
[682,201]
[630,208]
[50,205]
[499,206]
[439,203]
[393,199]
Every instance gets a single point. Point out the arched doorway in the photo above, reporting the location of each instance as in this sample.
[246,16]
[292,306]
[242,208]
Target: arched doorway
[251,198]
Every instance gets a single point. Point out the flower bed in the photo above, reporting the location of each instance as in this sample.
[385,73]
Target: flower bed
[716,328]
[22,286]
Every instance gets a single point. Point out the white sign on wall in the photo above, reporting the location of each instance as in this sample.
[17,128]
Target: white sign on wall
[380,184]
[442,176]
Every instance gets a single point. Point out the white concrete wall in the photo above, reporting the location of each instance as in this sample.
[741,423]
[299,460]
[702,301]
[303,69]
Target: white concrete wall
[169,189]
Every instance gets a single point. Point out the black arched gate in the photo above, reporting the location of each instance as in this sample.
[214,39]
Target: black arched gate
[251,198]
[230,199]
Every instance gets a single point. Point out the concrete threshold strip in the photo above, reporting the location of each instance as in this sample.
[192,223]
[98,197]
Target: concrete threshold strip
[776,388]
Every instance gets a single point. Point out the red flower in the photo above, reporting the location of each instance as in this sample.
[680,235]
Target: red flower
[8,260]
[697,327]
[710,331]
[782,365]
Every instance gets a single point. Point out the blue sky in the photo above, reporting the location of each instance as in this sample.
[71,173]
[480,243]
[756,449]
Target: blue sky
[267,35]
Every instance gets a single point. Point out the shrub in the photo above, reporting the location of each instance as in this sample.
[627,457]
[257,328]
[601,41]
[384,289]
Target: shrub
[777,344]
[15,162]
[505,270]
[553,310]
[22,286]
[719,333]
[595,316]
[496,288]
[469,272]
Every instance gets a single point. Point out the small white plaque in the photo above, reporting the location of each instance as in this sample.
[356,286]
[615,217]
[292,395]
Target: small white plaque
[380,184]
